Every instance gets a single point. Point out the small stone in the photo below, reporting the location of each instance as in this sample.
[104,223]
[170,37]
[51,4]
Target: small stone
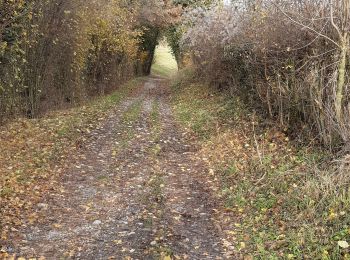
[153,243]
[42,205]
[97,222]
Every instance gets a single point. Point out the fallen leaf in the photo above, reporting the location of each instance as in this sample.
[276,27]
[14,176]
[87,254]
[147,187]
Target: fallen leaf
[343,244]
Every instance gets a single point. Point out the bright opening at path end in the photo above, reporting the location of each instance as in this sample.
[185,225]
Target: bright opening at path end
[164,64]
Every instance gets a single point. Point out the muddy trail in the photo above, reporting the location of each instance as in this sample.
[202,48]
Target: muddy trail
[134,191]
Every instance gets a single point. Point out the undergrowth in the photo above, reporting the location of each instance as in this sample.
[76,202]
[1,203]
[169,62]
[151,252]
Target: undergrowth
[202,109]
[287,201]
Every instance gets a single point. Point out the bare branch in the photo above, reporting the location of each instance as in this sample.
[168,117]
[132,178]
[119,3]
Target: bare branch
[308,27]
[332,20]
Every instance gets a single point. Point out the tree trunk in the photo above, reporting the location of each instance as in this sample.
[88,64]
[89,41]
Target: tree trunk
[341,78]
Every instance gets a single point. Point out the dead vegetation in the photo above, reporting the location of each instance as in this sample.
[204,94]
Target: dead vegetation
[288,58]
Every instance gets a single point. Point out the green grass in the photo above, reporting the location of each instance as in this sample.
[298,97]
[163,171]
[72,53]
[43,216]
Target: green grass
[164,62]
[129,118]
[133,113]
[289,204]
[155,112]
[199,108]
[155,124]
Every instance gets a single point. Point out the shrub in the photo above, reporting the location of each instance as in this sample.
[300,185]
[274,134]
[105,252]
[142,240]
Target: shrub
[289,55]
[58,52]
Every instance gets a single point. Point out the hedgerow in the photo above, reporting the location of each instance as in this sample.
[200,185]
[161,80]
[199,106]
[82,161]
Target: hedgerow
[288,58]
[55,53]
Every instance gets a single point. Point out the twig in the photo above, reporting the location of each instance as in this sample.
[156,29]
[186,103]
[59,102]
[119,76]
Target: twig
[308,27]
[256,142]
[333,23]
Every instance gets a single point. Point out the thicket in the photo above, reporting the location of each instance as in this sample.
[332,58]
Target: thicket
[289,57]
[54,53]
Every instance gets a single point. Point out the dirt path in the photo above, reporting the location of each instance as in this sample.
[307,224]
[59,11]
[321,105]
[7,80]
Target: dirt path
[134,192]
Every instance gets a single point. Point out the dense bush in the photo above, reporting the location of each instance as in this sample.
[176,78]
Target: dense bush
[291,56]
[57,52]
